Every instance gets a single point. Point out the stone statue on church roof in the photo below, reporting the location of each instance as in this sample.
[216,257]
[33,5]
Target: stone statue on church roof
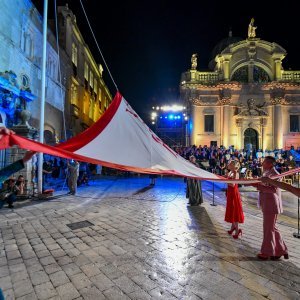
[251,29]
[194,61]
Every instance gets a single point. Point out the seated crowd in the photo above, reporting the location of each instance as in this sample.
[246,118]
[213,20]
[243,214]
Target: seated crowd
[216,159]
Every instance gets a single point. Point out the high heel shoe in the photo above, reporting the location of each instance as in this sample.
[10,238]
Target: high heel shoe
[231,230]
[286,256]
[236,236]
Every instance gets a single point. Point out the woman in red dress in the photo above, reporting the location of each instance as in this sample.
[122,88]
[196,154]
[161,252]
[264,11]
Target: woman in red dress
[234,211]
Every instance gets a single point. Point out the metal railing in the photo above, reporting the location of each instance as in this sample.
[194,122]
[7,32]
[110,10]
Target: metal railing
[293,76]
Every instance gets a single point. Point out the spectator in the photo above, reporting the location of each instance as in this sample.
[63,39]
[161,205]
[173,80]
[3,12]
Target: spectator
[73,173]
[18,165]
[9,192]
[20,185]
[194,188]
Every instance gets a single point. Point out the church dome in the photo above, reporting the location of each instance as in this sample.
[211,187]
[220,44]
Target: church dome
[221,46]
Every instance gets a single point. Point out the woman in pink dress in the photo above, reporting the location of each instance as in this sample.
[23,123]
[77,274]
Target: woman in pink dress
[234,211]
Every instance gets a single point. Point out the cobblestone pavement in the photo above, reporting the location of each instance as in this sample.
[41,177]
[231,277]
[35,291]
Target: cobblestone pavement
[145,243]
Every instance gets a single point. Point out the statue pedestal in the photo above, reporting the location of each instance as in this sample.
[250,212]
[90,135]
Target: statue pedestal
[193,74]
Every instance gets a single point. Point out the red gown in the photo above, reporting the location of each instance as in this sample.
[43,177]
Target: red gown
[234,209]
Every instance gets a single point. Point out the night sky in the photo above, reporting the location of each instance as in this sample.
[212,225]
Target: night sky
[148,44]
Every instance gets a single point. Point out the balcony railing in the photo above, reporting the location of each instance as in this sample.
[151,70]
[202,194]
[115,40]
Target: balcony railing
[200,77]
[293,76]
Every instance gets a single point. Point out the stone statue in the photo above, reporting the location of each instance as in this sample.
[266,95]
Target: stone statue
[251,29]
[194,61]
[252,109]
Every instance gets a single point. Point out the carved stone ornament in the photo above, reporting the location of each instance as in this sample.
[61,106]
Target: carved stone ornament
[225,93]
[239,122]
[252,109]
[277,92]
[278,100]
[225,101]
[197,102]
[252,50]
[263,122]
[205,101]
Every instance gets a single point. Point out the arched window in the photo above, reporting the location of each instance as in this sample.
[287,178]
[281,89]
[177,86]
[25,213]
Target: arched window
[260,75]
[240,75]
[74,94]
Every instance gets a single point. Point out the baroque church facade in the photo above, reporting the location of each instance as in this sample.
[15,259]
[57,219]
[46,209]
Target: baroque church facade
[247,100]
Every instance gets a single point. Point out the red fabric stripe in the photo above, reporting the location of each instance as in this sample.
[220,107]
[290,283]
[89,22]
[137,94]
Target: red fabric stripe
[91,133]
[28,144]
[5,142]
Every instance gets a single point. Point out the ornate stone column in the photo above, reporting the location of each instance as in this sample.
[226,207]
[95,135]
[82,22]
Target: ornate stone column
[239,124]
[226,66]
[24,129]
[278,57]
[225,102]
[277,69]
[193,75]
[263,124]
[278,133]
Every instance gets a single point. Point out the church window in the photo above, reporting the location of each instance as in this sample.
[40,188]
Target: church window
[86,71]
[27,43]
[74,54]
[74,94]
[91,108]
[95,85]
[260,75]
[294,123]
[209,123]
[240,75]
[25,81]
[91,79]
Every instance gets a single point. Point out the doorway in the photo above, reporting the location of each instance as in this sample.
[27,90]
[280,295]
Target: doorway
[251,138]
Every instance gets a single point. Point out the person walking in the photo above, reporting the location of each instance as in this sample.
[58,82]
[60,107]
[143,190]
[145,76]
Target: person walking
[234,210]
[273,245]
[194,187]
[152,179]
[73,173]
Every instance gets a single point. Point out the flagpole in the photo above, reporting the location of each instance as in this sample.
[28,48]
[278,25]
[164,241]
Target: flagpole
[43,86]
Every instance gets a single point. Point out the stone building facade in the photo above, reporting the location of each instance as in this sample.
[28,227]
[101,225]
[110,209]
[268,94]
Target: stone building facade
[247,99]
[20,69]
[87,94]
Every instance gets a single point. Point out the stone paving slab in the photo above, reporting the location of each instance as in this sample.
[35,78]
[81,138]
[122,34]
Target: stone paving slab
[146,243]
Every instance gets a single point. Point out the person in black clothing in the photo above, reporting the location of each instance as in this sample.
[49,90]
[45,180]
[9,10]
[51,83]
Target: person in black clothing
[7,171]
[9,187]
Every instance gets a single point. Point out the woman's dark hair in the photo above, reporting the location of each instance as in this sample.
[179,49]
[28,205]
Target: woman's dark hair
[271,159]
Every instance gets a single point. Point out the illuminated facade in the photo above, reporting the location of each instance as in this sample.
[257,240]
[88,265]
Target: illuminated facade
[88,96]
[248,99]
[20,69]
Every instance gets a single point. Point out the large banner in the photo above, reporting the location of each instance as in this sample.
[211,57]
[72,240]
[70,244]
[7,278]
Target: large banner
[120,139]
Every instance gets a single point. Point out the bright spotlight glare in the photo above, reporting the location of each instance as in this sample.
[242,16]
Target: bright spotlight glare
[174,108]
